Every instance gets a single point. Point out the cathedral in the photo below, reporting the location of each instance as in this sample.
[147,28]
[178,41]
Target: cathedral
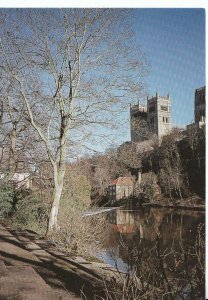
[152,119]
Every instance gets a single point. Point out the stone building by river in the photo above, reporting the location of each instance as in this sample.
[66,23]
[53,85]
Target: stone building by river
[120,188]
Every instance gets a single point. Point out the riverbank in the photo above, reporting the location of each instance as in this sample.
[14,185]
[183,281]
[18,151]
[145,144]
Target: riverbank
[177,206]
[35,268]
[192,203]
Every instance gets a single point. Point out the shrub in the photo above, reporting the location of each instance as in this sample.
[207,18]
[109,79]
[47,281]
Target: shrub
[149,186]
[78,234]
[32,212]
[81,235]
[7,198]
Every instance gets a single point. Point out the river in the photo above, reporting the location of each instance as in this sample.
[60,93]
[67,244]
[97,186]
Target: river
[164,247]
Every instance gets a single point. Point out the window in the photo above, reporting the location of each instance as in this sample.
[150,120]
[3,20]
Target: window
[163,119]
[152,109]
[166,120]
[164,108]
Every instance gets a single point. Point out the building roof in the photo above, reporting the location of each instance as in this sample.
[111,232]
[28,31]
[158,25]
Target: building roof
[200,89]
[138,108]
[123,181]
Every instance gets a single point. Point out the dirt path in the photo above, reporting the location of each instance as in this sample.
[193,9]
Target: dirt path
[31,268]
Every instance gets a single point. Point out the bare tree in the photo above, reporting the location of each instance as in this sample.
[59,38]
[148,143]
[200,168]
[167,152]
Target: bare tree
[15,138]
[172,171]
[70,69]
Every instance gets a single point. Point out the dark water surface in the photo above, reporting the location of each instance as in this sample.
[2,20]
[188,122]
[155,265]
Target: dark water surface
[164,247]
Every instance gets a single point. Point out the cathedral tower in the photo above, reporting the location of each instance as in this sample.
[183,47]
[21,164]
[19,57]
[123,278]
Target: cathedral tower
[138,122]
[159,115]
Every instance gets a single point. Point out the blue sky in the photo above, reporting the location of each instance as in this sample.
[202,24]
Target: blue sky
[174,43]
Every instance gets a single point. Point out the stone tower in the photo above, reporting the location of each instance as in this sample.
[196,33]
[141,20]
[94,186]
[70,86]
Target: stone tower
[200,105]
[159,115]
[138,122]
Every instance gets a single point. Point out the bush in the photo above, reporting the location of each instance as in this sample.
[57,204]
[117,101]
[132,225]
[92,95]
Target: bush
[80,235]
[32,212]
[7,199]
[149,186]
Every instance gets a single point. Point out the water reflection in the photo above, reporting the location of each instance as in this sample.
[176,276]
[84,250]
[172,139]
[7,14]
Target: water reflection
[149,223]
[163,247]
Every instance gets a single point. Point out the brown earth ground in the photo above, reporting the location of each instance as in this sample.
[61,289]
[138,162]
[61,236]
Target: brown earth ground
[31,268]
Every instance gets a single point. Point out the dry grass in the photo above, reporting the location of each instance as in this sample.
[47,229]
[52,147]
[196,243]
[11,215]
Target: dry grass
[80,235]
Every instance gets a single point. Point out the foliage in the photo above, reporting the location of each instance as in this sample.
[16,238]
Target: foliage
[76,192]
[32,211]
[193,150]
[23,208]
[77,233]
[149,186]
[128,154]
[105,168]
[80,235]
[179,170]
[7,196]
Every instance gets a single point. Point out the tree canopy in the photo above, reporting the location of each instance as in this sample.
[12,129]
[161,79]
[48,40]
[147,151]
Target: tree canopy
[70,72]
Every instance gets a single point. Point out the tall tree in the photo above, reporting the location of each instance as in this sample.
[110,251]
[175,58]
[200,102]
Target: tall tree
[72,69]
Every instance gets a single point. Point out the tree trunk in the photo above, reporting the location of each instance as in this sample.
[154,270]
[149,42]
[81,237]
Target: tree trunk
[59,169]
[58,188]
[139,178]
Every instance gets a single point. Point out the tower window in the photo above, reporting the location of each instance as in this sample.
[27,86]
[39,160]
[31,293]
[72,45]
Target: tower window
[164,108]
[163,119]
[166,120]
[152,109]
